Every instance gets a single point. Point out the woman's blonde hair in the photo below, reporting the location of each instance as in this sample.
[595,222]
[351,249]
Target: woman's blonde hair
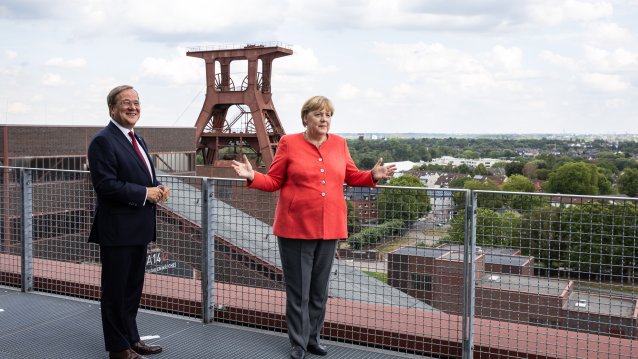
[316,103]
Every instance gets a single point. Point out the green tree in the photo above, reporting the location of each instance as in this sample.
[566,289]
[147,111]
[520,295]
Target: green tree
[628,182]
[514,168]
[541,237]
[481,170]
[367,162]
[486,185]
[404,204]
[604,181]
[530,170]
[459,182]
[354,219]
[518,183]
[493,228]
[520,202]
[574,178]
[465,169]
[470,154]
[499,164]
[601,238]
[490,200]
[380,234]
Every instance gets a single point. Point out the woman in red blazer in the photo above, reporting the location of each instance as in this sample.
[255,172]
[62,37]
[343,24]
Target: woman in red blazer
[310,169]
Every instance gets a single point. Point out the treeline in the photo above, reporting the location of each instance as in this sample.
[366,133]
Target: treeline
[424,149]
[569,167]
[397,209]
[592,238]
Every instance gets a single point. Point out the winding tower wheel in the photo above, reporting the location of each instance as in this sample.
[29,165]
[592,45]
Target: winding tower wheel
[237,120]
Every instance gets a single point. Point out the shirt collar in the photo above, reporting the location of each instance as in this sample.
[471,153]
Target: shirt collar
[124,130]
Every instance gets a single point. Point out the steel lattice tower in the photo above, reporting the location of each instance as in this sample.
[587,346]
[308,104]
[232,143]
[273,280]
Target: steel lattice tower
[237,118]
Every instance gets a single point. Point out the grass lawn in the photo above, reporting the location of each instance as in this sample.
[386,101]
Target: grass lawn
[379,276]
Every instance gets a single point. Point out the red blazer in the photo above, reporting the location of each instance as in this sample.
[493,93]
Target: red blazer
[311,202]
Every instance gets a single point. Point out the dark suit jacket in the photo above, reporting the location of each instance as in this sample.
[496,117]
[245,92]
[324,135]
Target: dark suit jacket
[120,178]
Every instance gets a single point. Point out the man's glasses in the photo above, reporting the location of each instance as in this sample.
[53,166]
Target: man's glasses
[128,103]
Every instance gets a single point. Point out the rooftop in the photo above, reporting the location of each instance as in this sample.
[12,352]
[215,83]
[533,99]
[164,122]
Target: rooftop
[44,326]
[519,283]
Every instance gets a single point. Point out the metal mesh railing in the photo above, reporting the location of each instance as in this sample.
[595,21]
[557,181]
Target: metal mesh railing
[548,275]
[557,269]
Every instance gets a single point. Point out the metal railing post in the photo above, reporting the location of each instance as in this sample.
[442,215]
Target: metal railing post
[26,230]
[469,261]
[208,250]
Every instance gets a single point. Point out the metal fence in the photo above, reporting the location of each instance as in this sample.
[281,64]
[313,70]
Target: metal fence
[436,272]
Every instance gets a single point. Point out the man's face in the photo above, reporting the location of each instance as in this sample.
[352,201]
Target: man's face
[127,109]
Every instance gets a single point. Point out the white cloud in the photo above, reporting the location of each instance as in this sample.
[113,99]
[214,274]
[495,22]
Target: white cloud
[558,60]
[18,108]
[403,89]
[614,103]
[449,62]
[436,15]
[451,70]
[422,59]
[60,62]
[555,12]
[177,70]
[9,71]
[168,15]
[605,32]
[510,59]
[171,18]
[300,74]
[53,80]
[389,14]
[304,61]
[348,91]
[604,60]
[10,54]
[605,82]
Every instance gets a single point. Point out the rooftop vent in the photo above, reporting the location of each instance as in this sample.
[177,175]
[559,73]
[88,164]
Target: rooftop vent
[581,303]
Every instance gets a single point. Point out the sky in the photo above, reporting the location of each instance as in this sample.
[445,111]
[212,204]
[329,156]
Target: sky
[426,66]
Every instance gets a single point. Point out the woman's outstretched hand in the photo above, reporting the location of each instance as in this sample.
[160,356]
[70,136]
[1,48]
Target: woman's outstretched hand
[244,169]
[382,172]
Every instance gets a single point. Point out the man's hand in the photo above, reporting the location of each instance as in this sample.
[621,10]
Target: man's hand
[157,194]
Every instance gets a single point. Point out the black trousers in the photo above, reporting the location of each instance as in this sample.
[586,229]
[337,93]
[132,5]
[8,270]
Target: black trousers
[122,283]
[307,265]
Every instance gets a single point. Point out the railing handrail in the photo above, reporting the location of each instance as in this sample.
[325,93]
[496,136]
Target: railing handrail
[226,222]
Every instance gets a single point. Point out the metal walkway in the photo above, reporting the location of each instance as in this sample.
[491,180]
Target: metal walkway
[35,325]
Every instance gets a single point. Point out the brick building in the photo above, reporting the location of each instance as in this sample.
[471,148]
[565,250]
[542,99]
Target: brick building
[364,202]
[507,289]
[64,147]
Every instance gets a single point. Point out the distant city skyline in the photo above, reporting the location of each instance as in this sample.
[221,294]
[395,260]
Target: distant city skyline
[404,66]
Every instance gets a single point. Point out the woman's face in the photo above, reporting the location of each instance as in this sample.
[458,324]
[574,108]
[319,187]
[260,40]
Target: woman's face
[318,122]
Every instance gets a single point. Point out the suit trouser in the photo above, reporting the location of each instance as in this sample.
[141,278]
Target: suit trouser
[122,283]
[307,265]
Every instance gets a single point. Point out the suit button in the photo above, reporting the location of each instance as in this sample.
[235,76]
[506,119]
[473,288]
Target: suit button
[323,194]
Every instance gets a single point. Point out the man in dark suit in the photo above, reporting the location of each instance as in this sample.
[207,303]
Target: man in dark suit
[127,191]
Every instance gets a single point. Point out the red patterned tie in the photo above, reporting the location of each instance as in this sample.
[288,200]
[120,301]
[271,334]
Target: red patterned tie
[139,152]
